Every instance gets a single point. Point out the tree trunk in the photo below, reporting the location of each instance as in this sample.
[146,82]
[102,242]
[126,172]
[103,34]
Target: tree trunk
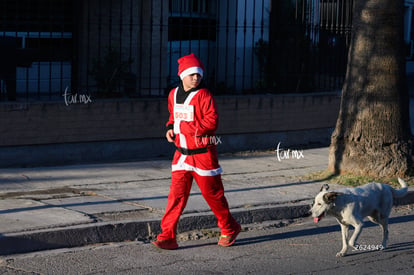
[372,135]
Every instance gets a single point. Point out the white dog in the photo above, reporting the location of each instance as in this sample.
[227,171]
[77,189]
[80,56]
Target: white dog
[351,205]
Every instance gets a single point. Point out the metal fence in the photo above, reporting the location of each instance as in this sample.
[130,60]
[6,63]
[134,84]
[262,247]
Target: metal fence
[129,48]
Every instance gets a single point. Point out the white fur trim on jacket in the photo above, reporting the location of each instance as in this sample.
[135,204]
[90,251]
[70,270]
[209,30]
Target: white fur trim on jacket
[181,165]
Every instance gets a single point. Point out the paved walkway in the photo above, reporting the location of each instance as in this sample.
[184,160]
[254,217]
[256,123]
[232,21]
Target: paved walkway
[53,207]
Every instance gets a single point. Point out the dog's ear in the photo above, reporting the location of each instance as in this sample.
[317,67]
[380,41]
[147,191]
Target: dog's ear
[330,197]
[324,187]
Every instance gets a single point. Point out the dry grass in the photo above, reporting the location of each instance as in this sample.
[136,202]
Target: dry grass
[353,180]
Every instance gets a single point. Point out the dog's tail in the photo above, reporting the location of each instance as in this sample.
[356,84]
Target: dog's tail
[399,193]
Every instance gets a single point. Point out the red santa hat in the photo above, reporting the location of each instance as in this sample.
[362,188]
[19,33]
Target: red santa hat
[190,64]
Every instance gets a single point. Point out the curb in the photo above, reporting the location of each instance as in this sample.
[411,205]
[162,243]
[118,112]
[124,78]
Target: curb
[81,235]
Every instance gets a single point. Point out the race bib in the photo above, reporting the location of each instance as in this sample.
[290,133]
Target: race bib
[183,112]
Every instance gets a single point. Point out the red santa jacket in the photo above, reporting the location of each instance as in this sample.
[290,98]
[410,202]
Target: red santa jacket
[194,122]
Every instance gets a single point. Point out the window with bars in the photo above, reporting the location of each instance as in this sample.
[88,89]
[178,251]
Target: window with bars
[42,30]
[192,20]
[192,8]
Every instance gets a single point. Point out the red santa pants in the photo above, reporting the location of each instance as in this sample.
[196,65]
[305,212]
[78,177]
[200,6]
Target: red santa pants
[213,192]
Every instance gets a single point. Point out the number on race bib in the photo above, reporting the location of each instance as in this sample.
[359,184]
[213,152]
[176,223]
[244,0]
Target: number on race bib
[184,112]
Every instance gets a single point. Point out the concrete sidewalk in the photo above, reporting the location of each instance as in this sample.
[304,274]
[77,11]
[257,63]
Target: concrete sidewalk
[55,207]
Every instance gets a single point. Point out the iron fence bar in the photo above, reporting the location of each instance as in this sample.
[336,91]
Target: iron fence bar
[50,62]
[253,48]
[161,48]
[140,57]
[50,73]
[217,52]
[190,9]
[227,39]
[244,41]
[342,24]
[27,82]
[88,38]
[170,81]
[332,19]
[38,72]
[235,45]
[151,34]
[181,26]
[74,51]
[120,40]
[131,29]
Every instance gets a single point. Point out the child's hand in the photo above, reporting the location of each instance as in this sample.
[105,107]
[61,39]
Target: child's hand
[170,135]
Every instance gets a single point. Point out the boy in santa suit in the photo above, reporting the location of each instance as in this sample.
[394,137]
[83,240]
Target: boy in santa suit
[193,121]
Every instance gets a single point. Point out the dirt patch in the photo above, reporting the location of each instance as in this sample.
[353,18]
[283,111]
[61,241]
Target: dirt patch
[127,215]
[55,192]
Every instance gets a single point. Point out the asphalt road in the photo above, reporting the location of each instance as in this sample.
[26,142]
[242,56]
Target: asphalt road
[301,247]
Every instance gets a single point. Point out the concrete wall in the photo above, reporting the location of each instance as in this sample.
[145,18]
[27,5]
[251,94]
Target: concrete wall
[109,130]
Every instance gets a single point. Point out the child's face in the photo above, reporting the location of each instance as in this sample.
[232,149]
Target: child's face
[191,81]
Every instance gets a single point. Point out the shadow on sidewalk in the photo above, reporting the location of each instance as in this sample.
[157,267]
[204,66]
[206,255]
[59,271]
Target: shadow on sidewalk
[138,199]
[314,231]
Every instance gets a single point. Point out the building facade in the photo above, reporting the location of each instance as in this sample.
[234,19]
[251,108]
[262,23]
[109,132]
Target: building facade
[129,48]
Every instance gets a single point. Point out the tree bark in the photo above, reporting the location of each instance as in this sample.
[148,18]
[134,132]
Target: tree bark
[372,134]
